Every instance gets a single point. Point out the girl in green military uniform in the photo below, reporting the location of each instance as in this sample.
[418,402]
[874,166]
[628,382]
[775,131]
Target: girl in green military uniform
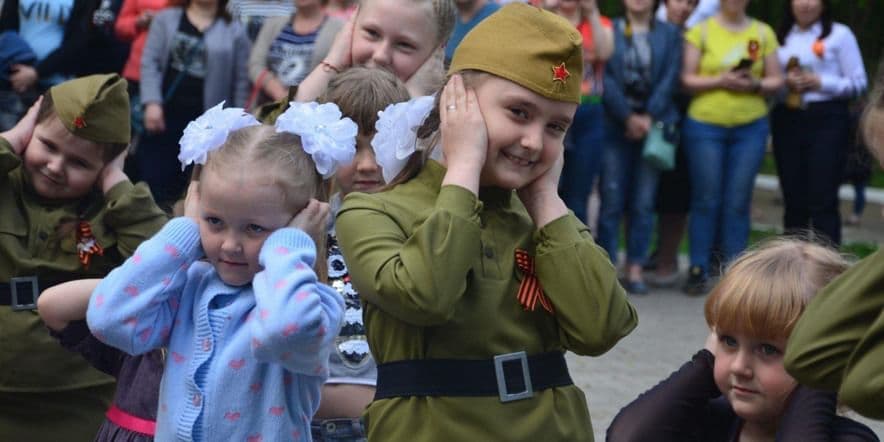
[69,212]
[475,277]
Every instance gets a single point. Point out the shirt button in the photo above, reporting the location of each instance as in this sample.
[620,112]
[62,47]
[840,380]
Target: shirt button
[207,344]
[197,400]
[489,252]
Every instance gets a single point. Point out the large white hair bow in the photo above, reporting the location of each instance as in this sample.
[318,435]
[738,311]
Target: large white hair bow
[209,131]
[396,133]
[328,138]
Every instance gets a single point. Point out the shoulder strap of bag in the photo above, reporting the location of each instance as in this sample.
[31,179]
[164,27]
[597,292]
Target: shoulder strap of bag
[191,55]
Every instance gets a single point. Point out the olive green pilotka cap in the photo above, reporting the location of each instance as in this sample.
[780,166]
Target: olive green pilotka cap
[528,46]
[95,108]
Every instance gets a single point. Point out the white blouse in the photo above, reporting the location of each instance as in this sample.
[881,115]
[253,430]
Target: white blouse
[841,70]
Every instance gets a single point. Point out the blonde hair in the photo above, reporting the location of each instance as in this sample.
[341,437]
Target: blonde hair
[361,92]
[765,291]
[444,14]
[273,158]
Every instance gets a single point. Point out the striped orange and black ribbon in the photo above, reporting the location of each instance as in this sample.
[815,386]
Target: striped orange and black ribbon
[530,291]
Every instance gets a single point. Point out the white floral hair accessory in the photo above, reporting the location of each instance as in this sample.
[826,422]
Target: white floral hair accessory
[328,138]
[209,131]
[396,133]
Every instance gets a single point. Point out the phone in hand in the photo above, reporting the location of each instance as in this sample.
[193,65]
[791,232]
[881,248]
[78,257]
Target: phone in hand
[744,64]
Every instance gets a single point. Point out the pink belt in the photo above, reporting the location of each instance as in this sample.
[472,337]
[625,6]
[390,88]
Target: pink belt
[130,422]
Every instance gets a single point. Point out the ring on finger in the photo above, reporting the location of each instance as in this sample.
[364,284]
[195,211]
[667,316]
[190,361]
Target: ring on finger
[451,107]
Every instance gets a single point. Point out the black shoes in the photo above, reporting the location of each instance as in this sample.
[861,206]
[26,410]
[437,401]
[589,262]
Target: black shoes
[697,283]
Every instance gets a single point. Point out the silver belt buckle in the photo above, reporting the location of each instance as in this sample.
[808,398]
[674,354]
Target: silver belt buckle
[505,395]
[13,290]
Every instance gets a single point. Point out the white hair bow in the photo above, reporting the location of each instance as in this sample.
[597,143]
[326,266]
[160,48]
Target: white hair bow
[209,131]
[396,133]
[328,138]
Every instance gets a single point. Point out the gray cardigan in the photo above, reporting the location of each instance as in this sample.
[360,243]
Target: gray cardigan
[227,52]
[272,27]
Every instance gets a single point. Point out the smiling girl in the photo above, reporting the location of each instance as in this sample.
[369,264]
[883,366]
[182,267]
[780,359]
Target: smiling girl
[472,272]
[737,389]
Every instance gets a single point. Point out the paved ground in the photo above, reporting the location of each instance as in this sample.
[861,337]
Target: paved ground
[671,329]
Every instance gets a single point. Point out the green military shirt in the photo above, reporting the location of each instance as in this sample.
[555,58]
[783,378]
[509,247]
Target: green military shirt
[436,271]
[838,343]
[38,238]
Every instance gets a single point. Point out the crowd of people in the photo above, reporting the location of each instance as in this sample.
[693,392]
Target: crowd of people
[326,221]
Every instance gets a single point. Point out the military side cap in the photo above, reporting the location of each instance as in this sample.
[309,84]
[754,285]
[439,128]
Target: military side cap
[95,108]
[528,46]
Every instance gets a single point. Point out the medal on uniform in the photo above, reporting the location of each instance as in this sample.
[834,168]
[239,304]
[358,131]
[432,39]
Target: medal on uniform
[87,245]
[530,291]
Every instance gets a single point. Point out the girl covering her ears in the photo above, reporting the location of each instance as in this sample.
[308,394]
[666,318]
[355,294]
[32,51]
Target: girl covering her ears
[737,389]
[248,329]
[474,276]
[406,37]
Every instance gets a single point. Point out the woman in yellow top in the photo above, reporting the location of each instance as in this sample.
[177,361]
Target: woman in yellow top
[474,276]
[730,64]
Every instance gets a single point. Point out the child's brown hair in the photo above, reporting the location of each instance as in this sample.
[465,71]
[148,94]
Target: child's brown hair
[109,151]
[765,291]
[361,92]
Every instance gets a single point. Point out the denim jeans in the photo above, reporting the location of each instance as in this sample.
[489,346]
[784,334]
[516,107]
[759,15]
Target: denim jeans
[582,157]
[723,162]
[628,186]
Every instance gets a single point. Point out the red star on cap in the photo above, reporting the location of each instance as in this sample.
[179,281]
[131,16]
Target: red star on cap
[79,122]
[560,73]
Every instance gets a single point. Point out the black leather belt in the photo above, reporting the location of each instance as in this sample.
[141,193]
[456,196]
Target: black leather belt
[511,376]
[20,293]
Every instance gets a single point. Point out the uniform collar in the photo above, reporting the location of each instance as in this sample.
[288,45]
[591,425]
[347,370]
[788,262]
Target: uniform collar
[433,173]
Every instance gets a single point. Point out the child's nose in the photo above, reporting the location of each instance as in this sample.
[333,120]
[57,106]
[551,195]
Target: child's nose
[383,54]
[365,161]
[532,139]
[232,244]
[741,364]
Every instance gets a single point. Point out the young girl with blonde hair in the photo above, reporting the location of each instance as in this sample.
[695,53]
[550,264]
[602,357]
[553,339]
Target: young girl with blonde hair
[737,389]
[249,328]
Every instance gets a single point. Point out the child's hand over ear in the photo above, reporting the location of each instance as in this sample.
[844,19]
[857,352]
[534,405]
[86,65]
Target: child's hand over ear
[312,219]
[112,173]
[340,54]
[20,135]
[541,196]
[464,135]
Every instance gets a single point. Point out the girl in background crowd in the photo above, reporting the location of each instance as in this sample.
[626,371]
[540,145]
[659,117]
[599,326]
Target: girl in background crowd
[737,388]
[194,57]
[730,65]
[288,48]
[584,141]
[837,344]
[248,330]
[641,79]
[811,128]
[450,260]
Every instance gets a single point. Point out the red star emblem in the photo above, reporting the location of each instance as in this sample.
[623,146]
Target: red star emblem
[560,73]
[79,122]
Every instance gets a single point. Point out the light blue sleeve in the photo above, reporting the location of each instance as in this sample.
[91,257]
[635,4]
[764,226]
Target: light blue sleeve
[134,307]
[296,318]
